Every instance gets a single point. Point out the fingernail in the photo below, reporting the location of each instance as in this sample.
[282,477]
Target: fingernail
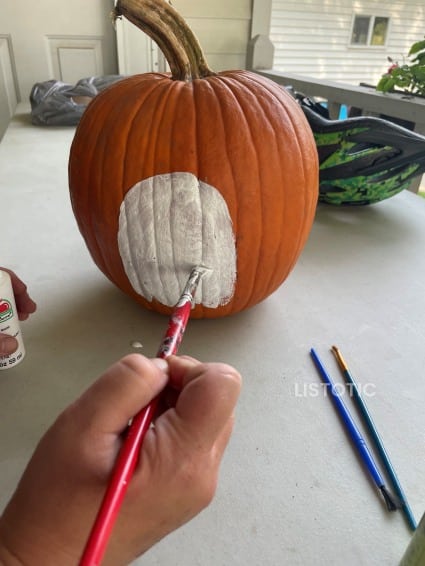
[8,344]
[161,364]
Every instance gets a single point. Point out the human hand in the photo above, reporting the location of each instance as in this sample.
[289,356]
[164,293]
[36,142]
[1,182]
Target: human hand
[24,305]
[49,517]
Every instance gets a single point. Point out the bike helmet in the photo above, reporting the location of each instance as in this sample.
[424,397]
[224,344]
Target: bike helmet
[362,160]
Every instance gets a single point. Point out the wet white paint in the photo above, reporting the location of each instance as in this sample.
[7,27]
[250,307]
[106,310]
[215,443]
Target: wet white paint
[169,224]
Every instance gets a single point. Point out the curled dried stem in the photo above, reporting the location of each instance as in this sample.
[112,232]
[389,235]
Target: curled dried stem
[165,26]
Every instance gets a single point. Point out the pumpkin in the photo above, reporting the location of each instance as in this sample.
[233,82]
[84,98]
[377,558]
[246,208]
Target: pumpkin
[170,171]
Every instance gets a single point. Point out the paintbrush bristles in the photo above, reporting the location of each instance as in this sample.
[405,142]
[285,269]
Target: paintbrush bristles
[189,290]
[392,502]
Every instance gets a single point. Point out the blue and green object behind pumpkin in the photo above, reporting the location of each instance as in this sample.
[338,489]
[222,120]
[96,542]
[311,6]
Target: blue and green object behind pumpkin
[363,160]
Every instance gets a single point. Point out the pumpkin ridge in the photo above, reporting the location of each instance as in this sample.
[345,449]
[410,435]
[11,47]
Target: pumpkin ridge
[164,131]
[81,200]
[161,118]
[121,165]
[272,280]
[157,231]
[172,225]
[90,145]
[196,160]
[200,101]
[300,236]
[112,164]
[307,211]
[250,78]
[181,119]
[187,91]
[243,254]
[199,96]
[260,109]
[133,251]
[197,135]
[230,82]
[180,90]
[253,80]
[198,92]
[147,139]
[130,125]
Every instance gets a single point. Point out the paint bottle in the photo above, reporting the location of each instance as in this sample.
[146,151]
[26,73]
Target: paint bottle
[415,552]
[9,321]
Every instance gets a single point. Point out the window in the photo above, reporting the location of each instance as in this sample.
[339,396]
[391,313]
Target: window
[369,30]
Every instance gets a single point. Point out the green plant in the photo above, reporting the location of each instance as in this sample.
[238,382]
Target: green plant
[410,76]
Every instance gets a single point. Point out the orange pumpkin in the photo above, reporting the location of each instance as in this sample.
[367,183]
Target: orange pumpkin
[171,171]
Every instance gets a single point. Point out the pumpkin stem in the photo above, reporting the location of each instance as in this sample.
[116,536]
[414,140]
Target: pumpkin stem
[164,25]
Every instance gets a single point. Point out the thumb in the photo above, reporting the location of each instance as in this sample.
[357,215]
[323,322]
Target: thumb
[208,399]
[8,344]
[120,393]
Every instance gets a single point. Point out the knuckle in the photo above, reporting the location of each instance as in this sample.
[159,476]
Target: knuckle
[140,368]
[228,372]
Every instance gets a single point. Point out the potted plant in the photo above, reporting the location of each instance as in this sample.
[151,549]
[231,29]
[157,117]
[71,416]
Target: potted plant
[409,77]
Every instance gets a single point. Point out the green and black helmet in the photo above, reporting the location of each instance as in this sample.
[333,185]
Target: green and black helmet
[363,160]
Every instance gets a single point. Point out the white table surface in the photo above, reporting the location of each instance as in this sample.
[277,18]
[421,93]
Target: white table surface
[292,489]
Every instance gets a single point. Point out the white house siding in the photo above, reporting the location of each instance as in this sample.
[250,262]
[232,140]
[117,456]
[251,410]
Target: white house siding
[312,37]
[222,27]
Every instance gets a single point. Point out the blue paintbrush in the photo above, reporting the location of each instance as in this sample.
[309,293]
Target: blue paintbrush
[356,436]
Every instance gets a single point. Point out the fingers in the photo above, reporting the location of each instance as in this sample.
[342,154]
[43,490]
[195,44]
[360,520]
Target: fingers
[207,401]
[8,345]
[122,391]
[24,304]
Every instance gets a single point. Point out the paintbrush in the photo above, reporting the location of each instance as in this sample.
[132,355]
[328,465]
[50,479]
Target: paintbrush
[358,440]
[129,453]
[376,439]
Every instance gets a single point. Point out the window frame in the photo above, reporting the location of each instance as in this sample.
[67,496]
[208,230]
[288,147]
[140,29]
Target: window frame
[372,19]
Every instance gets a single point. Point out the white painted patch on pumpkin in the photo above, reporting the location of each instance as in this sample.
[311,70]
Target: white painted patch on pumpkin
[169,224]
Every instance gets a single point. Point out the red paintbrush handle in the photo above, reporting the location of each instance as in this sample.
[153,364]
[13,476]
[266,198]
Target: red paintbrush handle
[176,327]
[117,487]
[129,453]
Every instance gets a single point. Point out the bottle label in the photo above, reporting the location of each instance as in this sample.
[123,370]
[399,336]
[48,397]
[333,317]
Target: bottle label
[9,321]
[11,360]
[6,310]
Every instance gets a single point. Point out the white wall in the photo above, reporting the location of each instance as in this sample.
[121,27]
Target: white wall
[222,28]
[8,94]
[312,37]
[48,37]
